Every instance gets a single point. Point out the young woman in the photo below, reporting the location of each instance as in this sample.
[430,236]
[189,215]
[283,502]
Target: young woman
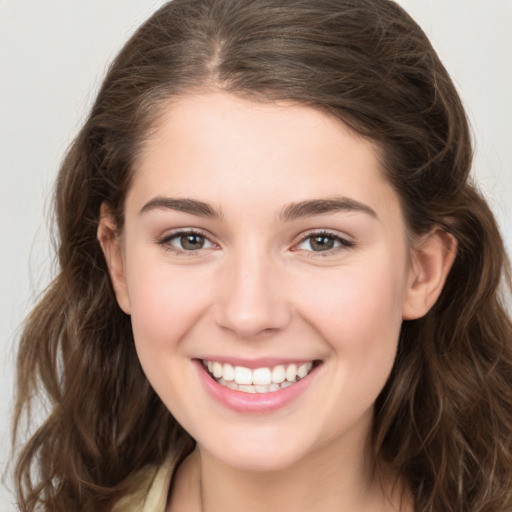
[278,287]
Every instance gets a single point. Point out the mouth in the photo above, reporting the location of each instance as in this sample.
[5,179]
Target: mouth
[258,380]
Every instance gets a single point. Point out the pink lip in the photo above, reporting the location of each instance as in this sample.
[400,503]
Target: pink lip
[256,403]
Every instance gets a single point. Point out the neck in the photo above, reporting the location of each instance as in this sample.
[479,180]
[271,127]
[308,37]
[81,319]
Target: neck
[314,485]
[329,479]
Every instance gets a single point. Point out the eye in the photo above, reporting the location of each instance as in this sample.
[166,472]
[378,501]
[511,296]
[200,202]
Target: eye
[186,241]
[323,242]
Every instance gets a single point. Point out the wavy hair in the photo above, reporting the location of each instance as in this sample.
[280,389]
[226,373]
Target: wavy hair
[444,418]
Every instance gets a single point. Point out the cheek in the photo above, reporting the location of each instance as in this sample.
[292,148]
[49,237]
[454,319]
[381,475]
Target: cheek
[166,306]
[166,302]
[364,304]
[359,314]
[360,319]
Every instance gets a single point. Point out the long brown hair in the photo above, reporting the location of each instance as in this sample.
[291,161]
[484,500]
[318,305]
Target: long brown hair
[444,419]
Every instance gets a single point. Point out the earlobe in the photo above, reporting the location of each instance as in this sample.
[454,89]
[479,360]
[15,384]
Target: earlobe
[433,257]
[110,242]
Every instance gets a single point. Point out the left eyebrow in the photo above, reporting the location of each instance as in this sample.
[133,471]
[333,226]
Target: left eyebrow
[313,207]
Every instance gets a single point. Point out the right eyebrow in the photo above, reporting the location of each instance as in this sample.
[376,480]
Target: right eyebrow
[192,206]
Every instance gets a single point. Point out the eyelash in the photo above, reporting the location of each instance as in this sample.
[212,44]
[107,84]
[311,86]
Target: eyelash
[165,241]
[343,242]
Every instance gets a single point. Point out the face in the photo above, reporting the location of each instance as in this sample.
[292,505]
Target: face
[263,241]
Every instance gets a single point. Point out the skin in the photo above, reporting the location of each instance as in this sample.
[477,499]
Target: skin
[258,289]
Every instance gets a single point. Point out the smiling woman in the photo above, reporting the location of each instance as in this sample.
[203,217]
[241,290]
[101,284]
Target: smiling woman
[233,290]
[279,289]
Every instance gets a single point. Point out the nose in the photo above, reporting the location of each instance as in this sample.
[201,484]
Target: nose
[253,302]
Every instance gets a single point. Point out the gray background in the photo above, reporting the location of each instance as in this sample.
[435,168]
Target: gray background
[53,54]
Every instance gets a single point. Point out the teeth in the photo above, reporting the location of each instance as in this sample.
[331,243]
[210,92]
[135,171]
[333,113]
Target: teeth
[259,380]
[229,384]
[303,370]
[262,376]
[228,372]
[270,388]
[217,370]
[243,375]
[291,373]
[247,389]
[278,374]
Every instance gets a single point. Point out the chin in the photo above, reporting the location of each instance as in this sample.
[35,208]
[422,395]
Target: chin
[257,455]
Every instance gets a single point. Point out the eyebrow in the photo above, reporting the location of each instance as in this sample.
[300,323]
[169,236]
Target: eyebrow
[290,212]
[313,207]
[192,206]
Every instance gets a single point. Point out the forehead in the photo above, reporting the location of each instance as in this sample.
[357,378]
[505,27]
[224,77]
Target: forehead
[228,150]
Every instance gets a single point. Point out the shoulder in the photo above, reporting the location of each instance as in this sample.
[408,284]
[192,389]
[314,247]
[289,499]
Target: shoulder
[150,489]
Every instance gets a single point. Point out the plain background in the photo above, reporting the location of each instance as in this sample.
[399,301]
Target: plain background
[53,55]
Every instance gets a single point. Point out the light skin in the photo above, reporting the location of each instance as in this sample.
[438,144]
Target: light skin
[299,251]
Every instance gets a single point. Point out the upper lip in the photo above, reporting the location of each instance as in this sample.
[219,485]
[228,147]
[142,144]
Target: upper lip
[262,362]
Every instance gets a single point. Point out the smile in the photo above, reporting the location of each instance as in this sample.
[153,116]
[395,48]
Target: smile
[258,380]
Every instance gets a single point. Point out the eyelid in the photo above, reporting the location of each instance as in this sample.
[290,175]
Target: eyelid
[164,240]
[345,241]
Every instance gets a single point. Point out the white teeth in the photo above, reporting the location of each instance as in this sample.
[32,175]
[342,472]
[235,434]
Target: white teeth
[229,372]
[217,370]
[259,380]
[291,373]
[304,369]
[247,389]
[278,374]
[231,384]
[261,376]
[270,388]
[243,375]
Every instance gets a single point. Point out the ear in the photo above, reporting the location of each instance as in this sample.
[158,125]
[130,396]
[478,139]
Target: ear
[111,244]
[432,258]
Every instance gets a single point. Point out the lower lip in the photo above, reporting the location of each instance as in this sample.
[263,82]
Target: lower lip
[256,403]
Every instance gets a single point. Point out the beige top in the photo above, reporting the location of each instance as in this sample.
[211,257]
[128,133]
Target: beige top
[154,500]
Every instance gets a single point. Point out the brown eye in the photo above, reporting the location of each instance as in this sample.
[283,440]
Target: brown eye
[321,243]
[324,242]
[192,241]
[185,241]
